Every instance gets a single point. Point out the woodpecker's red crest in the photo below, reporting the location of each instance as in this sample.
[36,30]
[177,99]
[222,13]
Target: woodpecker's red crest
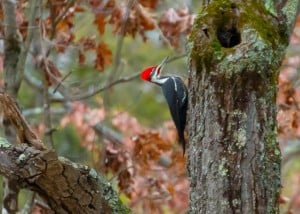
[153,72]
[146,74]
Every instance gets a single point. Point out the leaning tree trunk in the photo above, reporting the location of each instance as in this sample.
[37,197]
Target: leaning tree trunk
[234,158]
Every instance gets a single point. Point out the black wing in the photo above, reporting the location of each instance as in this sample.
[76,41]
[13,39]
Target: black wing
[176,95]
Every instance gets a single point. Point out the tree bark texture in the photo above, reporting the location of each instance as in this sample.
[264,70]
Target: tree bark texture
[234,158]
[12,48]
[65,186]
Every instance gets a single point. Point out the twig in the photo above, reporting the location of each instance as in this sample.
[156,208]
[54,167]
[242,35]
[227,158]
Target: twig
[61,81]
[27,43]
[120,41]
[66,97]
[90,94]
[38,86]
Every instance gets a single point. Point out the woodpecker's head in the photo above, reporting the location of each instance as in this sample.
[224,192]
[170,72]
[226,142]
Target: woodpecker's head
[152,73]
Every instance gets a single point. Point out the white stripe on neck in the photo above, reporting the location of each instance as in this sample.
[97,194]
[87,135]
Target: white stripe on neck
[158,80]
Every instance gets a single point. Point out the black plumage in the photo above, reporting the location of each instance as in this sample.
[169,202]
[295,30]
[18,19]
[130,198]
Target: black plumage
[176,95]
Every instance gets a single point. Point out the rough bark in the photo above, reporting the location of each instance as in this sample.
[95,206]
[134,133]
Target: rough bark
[234,159]
[66,187]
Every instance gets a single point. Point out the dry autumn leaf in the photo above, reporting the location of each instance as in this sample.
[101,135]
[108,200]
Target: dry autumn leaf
[139,20]
[99,21]
[176,23]
[103,56]
[150,4]
[102,9]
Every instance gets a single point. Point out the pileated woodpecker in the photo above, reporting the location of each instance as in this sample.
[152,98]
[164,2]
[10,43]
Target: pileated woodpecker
[175,93]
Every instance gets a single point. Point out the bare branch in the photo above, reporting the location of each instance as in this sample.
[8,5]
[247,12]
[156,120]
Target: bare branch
[70,97]
[90,94]
[61,81]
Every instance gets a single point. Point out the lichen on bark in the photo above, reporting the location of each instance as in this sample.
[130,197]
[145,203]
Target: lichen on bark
[234,160]
[65,186]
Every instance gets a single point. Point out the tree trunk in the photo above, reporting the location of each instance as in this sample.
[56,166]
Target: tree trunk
[234,158]
[11,57]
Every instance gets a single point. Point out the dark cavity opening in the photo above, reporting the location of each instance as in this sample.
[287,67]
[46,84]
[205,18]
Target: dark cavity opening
[229,38]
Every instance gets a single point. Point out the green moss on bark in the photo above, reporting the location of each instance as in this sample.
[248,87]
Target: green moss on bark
[248,17]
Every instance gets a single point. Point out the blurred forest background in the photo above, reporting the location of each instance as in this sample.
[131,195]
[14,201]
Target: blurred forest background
[82,95]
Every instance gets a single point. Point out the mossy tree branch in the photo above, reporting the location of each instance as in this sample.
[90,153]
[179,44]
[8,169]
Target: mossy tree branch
[65,186]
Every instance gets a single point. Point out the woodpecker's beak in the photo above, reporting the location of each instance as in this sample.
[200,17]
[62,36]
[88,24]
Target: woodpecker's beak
[160,66]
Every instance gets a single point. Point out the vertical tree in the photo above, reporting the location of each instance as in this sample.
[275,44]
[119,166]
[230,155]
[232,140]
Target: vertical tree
[234,159]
